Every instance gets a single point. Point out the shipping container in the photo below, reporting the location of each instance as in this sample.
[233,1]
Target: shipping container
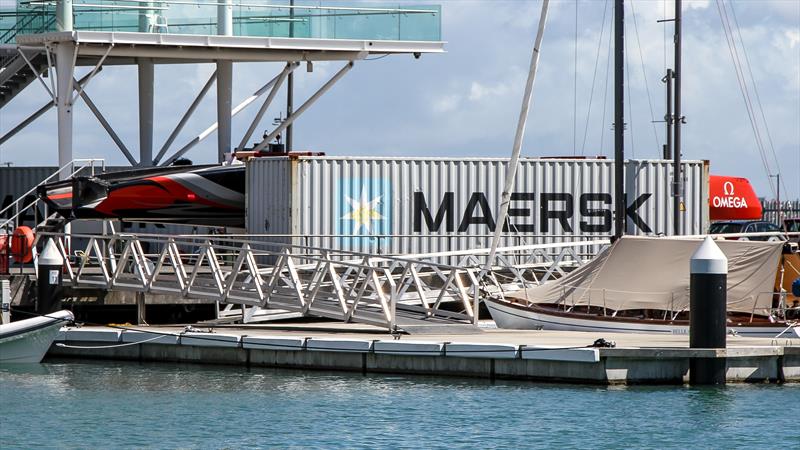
[422,205]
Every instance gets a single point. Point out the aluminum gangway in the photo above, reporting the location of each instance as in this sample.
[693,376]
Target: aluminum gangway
[395,292]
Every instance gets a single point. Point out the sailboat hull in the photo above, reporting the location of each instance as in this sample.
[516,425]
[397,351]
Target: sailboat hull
[518,317]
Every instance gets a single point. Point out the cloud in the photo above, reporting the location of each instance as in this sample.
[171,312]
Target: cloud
[793,37]
[478,91]
[446,103]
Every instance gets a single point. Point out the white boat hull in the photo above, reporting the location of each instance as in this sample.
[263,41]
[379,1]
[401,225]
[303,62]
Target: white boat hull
[516,318]
[27,341]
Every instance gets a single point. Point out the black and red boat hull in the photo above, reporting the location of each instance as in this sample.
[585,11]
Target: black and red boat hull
[191,195]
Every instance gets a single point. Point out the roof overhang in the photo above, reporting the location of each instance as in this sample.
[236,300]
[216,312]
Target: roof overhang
[199,48]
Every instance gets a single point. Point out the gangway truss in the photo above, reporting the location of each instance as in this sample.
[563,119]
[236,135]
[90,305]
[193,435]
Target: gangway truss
[388,291]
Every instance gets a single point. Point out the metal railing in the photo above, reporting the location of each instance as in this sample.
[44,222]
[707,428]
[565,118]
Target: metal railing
[247,18]
[14,210]
[775,212]
[388,291]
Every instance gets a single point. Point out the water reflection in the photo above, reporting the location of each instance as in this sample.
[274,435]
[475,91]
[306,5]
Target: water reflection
[218,406]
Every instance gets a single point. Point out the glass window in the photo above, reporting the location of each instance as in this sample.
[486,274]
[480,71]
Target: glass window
[725,227]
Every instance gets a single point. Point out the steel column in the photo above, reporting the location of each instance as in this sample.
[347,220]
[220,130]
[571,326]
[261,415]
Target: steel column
[146,18]
[225,18]
[290,84]
[146,94]
[65,68]
[678,176]
[64,15]
[619,118]
[668,117]
[224,107]
[224,82]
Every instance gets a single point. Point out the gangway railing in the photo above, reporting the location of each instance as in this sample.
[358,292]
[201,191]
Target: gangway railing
[10,215]
[388,291]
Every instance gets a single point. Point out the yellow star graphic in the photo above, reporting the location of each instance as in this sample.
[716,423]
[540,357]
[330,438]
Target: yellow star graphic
[363,210]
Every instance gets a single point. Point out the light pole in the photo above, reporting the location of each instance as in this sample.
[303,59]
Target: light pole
[780,210]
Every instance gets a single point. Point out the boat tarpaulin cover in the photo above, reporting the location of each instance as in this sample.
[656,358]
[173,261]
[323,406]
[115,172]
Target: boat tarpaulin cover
[653,273]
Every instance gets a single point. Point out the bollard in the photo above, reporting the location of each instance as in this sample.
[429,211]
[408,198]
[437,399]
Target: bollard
[5,302]
[48,281]
[708,295]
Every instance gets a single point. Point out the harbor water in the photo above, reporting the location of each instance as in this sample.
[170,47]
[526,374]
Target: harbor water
[79,404]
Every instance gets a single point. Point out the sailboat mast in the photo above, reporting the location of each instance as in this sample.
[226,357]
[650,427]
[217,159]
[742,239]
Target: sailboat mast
[511,170]
[619,117]
[676,170]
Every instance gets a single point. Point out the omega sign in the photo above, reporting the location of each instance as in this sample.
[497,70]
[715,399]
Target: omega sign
[729,200]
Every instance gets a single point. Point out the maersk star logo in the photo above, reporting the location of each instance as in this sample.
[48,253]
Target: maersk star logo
[364,211]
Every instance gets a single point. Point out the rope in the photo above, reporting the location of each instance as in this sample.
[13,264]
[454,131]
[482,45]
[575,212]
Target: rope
[646,84]
[755,91]
[59,344]
[575,89]
[730,40]
[630,98]
[594,77]
[605,92]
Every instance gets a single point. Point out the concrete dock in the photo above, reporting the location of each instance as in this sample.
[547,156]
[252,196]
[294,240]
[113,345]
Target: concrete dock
[551,356]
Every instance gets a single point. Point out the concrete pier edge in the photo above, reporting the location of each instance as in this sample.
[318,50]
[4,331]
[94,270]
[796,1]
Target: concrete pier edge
[579,365]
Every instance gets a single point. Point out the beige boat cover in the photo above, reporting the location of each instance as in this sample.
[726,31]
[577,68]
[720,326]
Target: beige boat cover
[653,273]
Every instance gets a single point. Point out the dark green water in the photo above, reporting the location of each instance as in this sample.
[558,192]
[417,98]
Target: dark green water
[111,405]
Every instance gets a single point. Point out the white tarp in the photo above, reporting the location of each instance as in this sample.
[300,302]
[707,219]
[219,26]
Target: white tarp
[653,273]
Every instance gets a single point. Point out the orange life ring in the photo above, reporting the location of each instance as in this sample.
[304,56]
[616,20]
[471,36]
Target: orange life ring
[22,244]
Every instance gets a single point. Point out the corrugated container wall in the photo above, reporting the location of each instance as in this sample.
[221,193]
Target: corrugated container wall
[420,205]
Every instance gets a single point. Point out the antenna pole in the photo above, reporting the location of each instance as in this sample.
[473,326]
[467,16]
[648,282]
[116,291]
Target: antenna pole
[619,117]
[668,117]
[511,170]
[677,185]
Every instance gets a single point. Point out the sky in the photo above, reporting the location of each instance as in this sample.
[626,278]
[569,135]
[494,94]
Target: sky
[466,101]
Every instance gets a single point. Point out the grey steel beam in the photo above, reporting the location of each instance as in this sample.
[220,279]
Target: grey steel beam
[106,126]
[224,107]
[46,107]
[185,118]
[146,77]
[290,119]
[66,54]
[206,55]
[260,114]
[239,108]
